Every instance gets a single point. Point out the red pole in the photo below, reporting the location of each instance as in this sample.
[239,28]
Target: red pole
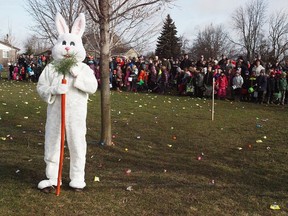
[63,102]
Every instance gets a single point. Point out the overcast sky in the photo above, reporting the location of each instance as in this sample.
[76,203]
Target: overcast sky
[189,15]
[13,16]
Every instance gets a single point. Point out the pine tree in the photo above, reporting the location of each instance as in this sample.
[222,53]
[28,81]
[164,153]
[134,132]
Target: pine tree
[168,44]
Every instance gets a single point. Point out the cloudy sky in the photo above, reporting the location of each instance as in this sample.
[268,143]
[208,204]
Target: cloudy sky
[15,18]
[189,15]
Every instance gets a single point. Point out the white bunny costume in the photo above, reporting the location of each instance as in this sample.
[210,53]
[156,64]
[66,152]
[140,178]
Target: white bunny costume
[80,82]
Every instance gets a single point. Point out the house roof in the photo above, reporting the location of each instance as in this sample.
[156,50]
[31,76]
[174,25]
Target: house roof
[9,45]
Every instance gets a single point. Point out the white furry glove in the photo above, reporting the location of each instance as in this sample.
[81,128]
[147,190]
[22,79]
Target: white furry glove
[60,89]
[74,71]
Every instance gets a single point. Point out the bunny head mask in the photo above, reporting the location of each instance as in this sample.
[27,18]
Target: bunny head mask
[69,44]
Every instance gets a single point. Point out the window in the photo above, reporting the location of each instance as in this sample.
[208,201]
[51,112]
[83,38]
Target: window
[6,54]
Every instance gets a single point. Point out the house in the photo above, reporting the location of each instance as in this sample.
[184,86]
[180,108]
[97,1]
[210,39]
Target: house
[8,53]
[120,49]
[131,53]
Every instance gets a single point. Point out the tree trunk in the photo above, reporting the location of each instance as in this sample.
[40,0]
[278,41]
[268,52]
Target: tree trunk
[104,68]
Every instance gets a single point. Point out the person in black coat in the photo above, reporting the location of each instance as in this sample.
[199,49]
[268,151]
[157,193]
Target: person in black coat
[272,87]
[261,83]
[11,69]
[186,62]
[208,81]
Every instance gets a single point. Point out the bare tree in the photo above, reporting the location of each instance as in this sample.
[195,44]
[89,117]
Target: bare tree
[248,22]
[128,15]
[33,45]
[131,23]
[211,42]
[44,12]
[278,35]
[134,27]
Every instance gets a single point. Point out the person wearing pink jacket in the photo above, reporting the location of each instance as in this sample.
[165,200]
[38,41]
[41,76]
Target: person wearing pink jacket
[221,86]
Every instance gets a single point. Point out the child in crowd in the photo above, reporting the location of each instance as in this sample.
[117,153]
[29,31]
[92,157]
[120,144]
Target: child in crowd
[134,75]
[30,72]
[152,79]
[1,69]
[208,81]
[179,80]
[23,73]
[252,84]
[16,73]
[221,86]
[272,87]
[199,83]
[245,87]
[128,79]
[142,80]
[119,78]
[237,83]
[283,87]
[261,83]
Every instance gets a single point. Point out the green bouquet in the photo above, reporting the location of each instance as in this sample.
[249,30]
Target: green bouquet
[64,65]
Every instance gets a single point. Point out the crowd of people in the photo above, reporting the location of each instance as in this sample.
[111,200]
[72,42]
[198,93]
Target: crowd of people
[27,68]
[227,78]
[233,79]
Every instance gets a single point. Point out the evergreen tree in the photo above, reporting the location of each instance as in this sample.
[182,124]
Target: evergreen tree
[168,44]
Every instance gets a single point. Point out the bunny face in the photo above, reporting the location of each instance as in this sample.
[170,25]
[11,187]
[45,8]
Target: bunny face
[69,44]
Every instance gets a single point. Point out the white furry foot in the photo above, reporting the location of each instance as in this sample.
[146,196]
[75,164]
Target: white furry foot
[47,183]
[77,184]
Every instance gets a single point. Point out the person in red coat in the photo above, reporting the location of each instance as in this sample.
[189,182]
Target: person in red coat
[221,86]
[142,80]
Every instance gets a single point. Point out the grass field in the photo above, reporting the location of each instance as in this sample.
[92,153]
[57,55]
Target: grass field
[179,161]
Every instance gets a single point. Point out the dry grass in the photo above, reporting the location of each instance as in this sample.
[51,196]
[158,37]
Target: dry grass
[159,138]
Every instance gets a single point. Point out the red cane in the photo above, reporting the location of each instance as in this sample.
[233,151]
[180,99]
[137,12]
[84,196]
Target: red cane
[63,102]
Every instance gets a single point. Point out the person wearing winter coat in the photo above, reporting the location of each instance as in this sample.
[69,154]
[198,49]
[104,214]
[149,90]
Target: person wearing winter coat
[1,69]
[179,80]
[208,81]
[258,67]
[252,84]
[186,62]
[283,86]
[152,78]
[142,80]
[221,86]
[245,96]
[128,79]
[261,83]
[16,72]
[237,83]
[272,87]
[164,80]
[119,78]
[134,76]
[199,83]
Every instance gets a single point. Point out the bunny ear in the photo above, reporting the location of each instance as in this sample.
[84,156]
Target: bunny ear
[78,27]
[61,25]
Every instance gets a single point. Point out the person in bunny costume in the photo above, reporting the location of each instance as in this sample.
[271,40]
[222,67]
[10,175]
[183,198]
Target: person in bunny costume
[81,82]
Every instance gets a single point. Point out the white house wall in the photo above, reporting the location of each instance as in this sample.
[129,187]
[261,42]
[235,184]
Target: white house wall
[4,47]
